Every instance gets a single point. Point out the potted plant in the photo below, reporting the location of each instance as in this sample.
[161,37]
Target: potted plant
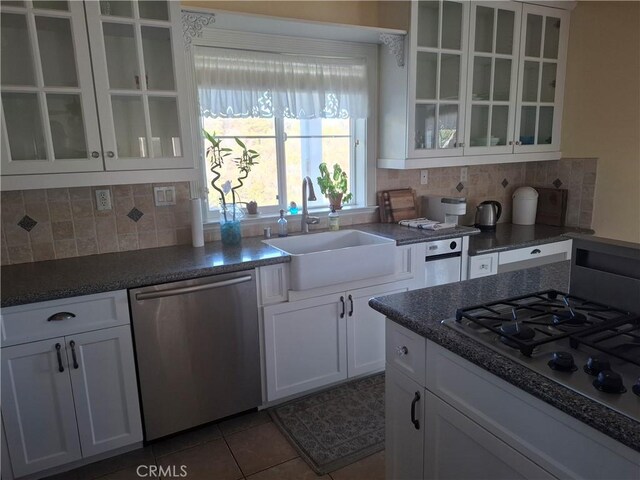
[334,185]
[230,213]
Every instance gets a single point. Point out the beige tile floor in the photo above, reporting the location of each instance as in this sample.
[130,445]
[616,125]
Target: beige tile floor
[246,447]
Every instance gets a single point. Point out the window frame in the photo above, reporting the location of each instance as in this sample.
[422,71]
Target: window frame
[364,131]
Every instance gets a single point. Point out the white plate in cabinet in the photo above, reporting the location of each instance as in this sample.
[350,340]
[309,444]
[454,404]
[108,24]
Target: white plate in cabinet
[483,265]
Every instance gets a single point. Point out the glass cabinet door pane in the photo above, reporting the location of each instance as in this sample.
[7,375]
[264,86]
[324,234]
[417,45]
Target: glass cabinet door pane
[548,87]
[23,122]
[484,30]
[504,34]
[530,82]
[51,5]
[57,52]
[128,119]
[116,8]
[481,78]
[451,25]
[502,79]
[499,125]
[165,129]
[545,126]
[10,3]
[479,125]
[449,77]
[122,56]
[425,127]
[528,126]
[67,126]
[534,36]
[427,68]
[551,37]
[17,62]
[154,10]
[158,62]
[448,126]
[428,14]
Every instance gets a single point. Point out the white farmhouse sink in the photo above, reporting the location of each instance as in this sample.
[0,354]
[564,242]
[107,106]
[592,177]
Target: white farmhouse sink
[327,258]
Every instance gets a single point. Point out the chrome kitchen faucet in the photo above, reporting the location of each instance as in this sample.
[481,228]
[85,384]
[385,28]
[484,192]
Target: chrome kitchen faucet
[306,218]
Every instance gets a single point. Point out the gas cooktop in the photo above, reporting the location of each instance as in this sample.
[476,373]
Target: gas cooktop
[587,346]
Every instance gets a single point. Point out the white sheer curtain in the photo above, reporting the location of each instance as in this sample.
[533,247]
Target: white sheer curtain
[240,84]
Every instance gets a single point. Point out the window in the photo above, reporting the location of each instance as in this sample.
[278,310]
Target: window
[295,111]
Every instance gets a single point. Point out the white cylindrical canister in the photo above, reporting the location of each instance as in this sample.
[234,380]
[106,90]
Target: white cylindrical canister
[197,233]
[525,206]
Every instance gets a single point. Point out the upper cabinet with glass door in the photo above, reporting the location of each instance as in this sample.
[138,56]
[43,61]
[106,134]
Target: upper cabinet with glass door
[49,121]
[437,76]
[139,73]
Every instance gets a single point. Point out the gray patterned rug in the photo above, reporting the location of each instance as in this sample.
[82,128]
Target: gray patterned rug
[338,426]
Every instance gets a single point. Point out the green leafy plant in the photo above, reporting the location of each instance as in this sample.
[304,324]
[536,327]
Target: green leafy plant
[216,154]
[333,184]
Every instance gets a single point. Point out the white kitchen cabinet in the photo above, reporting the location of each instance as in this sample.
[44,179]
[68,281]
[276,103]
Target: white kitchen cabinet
[72,395]
[483,265]
[483,83]
[86,107]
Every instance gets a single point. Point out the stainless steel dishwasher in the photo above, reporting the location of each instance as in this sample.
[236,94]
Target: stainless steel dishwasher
[197,350]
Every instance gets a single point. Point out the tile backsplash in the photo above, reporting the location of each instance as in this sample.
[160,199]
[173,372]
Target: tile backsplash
[498,182]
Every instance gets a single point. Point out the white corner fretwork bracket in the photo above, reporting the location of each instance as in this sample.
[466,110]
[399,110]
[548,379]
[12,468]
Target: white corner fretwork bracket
[192,25]
[395,43]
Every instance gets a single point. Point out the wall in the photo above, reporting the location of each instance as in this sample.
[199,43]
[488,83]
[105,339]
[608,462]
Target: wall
[602,109]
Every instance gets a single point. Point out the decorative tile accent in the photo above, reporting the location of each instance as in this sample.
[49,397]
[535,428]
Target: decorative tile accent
[459,187]
[135,214]
[504,183]
[27,223]
[557,183]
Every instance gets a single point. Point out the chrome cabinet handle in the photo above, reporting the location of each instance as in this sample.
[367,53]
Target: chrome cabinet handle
[72,344]
[518,143]
[351,306]
[95,154]
[414,420]
[461,144]
[510,142]
[110,154]
[195,288]
[59,355]
[58,317]
[403,350]
[535,251]
[344,307]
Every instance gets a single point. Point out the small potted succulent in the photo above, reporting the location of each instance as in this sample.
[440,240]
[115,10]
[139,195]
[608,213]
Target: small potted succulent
[334,185]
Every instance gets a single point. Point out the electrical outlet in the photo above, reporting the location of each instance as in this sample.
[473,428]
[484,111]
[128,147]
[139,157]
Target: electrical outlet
[464,174]
[424,177]
[164,196]
[103,199]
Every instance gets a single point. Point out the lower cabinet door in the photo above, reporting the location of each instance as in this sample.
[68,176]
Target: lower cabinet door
[105,390]
[305,345]
[457,447]
[365,330]
[404,426]
[37,407]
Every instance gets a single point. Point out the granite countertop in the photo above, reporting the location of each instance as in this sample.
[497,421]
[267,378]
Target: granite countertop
[407,235]
[508,236]
[422,311]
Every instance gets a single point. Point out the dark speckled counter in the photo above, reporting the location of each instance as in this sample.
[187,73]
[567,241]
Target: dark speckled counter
[508,236]
[422,311]
[40,281]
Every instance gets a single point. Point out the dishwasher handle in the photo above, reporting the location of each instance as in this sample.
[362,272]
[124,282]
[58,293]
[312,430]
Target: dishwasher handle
[195,288]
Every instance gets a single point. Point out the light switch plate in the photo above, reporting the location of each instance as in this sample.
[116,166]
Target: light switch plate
[424,177]
[103,199]
[164,196]
[464,174]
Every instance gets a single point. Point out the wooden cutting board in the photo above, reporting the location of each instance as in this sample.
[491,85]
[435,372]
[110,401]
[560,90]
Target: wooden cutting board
[396,205]
[552,206]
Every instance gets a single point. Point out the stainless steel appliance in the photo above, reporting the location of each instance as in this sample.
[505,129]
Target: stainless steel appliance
[587,340]
[487,214]
[197,350]
[443,262]
[443,209]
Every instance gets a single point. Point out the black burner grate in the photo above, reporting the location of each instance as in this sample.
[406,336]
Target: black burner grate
[619,338]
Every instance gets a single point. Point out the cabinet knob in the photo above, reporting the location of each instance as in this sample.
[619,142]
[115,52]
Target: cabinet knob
[95,154]
[518,143]
[510,142]
[403,350]
[110,154]
[461,145]
[536,251]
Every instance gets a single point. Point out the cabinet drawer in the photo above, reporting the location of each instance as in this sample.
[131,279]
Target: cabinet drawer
[405,350]
[483,265]
[29,323]
[561,249]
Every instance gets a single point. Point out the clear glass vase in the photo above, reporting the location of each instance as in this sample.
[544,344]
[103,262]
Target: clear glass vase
[230,227]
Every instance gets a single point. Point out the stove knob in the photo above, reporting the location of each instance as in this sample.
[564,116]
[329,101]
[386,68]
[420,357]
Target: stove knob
[562,361]
[596,364]
[636,388]
[609,382]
